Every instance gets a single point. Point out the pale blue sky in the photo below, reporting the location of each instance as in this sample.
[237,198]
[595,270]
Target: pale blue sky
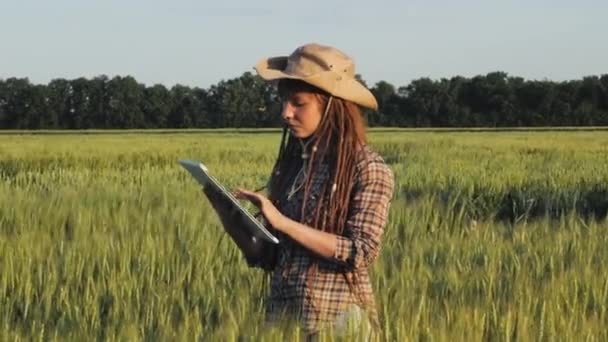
[199,43]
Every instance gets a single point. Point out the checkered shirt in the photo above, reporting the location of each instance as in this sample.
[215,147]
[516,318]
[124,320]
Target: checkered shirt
[318,298]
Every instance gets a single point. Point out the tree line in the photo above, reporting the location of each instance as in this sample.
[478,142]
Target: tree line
[492,100]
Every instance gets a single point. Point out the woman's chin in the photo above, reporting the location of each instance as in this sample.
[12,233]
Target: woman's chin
[299,134]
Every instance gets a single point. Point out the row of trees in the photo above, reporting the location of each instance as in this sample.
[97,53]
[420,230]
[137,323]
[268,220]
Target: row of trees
[493,100]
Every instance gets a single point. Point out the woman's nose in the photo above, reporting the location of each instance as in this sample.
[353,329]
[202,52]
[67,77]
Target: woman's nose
[287,112]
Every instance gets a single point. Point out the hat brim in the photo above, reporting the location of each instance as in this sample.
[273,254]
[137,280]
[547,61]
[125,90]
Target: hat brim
[272,69]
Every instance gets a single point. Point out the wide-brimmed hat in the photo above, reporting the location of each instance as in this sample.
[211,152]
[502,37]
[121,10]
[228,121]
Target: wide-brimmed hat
[324,67]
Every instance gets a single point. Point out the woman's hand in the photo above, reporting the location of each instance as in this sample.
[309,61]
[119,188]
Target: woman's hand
[270,212]
[319,242]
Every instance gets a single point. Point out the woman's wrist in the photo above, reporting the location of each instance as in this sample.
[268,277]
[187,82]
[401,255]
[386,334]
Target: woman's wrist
[282,224]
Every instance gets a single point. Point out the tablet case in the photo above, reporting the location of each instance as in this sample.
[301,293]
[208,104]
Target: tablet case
[250,235]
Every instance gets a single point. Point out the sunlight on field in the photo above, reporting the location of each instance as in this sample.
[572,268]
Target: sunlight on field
[492,235]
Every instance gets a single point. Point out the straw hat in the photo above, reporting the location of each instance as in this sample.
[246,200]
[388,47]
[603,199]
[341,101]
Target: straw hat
[324,67]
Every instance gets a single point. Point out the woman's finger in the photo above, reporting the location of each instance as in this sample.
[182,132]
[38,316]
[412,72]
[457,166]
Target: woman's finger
[250,196]
[242,193]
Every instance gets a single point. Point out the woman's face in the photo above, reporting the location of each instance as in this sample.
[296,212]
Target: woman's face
[301,113]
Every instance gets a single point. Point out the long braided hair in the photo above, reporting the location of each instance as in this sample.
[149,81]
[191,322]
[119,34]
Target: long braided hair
[340,133]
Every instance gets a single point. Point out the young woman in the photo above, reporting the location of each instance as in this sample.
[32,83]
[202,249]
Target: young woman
[329,193]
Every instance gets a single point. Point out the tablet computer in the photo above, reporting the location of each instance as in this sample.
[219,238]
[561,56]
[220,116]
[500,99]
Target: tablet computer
[250,235]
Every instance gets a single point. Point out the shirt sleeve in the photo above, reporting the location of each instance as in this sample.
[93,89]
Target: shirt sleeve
[360,243]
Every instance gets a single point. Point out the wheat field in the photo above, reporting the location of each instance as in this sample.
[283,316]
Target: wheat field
[494,236]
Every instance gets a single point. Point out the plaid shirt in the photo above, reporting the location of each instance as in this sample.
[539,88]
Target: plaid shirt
[317,298]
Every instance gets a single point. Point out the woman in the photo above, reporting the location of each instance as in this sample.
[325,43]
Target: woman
[329,193]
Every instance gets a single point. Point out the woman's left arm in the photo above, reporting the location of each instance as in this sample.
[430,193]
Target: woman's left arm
[359,244]
[319,242]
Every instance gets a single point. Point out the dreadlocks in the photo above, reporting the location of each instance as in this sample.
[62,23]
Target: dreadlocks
[339,134]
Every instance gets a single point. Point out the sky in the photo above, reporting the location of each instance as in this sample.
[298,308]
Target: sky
[199,43]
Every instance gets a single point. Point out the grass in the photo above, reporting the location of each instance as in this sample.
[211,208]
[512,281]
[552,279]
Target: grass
[492,236]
